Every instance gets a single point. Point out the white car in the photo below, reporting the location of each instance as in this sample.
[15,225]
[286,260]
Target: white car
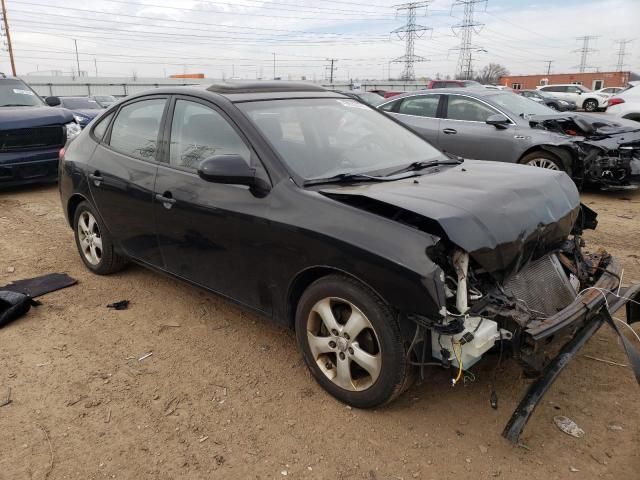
[626,104]
[583,97]
[610,91]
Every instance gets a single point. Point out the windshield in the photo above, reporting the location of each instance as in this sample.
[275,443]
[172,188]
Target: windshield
[105,98]
[80,103]
[323,137]
[14,93]
[519,105]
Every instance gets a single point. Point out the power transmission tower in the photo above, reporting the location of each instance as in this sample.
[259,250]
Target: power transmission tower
[465,30]
[5,27]
[622,46]
[585,51]
[549,62]
[331,67]
[409,32]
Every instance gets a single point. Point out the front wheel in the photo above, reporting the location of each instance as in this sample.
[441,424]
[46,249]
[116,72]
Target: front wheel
[542,159]
[351,342]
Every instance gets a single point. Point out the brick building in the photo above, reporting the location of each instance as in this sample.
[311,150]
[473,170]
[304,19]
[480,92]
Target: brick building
[592,80]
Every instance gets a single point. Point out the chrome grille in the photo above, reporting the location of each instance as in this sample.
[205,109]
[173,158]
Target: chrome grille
[542,286]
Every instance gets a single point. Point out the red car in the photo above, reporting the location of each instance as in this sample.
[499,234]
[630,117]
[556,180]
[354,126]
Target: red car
[441,84]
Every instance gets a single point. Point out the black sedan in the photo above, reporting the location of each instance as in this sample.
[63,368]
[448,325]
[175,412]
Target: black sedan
[84,109]
[548,100]
[384,254]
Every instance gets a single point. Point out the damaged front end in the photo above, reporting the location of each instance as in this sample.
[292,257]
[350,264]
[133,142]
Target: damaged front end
[543,311]
[604,153]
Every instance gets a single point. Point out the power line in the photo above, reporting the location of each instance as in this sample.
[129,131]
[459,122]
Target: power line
[622,46]
[409,32]
[585,51]
[465,30]
[8,35]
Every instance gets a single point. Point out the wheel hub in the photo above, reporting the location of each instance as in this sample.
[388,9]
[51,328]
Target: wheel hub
[342,344]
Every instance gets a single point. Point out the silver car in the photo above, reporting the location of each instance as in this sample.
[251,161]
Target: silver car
[502,126]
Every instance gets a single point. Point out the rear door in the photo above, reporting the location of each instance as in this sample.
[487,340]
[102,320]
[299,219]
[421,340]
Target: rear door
[210,233]
[463,130]
[122,175]
[421,113]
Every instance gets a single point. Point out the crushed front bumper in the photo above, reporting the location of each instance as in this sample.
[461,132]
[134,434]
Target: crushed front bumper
[584,316]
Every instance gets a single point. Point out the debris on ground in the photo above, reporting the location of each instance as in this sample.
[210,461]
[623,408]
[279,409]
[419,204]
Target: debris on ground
[11,269]
[612,427]
[5,396]
[146,355]
[13,305]
[568,426]
[573,469]
[38,286]
[121,305]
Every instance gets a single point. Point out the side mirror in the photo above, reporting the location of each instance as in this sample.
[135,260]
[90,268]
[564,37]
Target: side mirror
[229,169]
[498,121]
[53,101]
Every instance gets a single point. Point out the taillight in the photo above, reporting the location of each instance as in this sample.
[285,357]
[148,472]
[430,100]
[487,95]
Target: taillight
[615,101]
[61,154]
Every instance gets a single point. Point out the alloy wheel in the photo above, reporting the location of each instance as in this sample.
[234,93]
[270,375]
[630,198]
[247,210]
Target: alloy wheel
[89,238]
[543,163]
[344,344]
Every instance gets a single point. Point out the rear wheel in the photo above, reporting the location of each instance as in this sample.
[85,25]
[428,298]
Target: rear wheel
[351,342]
[553,106]
[542,159]
[94,242]
[590,105]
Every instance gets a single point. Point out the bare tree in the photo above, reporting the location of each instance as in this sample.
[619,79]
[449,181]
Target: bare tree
[491,73]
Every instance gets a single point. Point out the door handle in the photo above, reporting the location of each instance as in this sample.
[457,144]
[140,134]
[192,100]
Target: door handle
[449,131]
[166,199]
[96,178]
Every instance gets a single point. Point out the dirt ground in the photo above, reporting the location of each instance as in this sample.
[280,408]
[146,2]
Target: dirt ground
[226,395]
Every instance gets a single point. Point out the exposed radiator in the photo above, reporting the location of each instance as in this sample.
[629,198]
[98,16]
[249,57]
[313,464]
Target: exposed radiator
[542,286]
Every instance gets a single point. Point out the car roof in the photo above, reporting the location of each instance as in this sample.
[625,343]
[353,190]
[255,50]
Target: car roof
[472,92]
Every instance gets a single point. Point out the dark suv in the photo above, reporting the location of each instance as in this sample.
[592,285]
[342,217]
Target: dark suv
[31,134]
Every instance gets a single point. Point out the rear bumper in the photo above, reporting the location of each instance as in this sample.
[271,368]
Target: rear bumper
[20,168]
[583,318]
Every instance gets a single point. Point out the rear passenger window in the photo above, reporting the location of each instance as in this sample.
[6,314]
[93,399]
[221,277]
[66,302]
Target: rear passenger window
[422,106]
[101,127]
[390,107]
[135,129]
[199,132]
[465,108]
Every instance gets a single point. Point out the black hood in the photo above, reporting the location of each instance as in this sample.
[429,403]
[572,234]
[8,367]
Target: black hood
[500,213]
[13,118]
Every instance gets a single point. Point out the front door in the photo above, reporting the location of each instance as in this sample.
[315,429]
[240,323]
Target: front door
[210,234]
[122,175]
[463,131]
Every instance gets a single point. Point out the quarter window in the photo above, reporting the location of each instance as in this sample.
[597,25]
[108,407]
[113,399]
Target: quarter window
[390,107]
[465,108]
[199,132]
[135,129]
[422,106]
[101,127]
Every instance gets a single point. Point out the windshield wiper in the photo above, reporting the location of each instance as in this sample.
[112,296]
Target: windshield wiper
[356,177]
[412,167]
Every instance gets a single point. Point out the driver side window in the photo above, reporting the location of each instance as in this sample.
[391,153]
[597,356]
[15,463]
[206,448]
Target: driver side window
[199,132]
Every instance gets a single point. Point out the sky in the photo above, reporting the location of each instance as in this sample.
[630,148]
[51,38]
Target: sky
[240,39]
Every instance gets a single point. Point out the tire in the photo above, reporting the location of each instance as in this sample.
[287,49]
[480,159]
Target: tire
[94,242]
[543,159]
[590,105]
[335,358]
[553,106]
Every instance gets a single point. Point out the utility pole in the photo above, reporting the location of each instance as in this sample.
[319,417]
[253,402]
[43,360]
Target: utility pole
[549,62]
[75,42]
[585,51]
[465,31]
[409,32]
[274,65]
[331,67]
[95,64]
[8,34]
[622,46]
